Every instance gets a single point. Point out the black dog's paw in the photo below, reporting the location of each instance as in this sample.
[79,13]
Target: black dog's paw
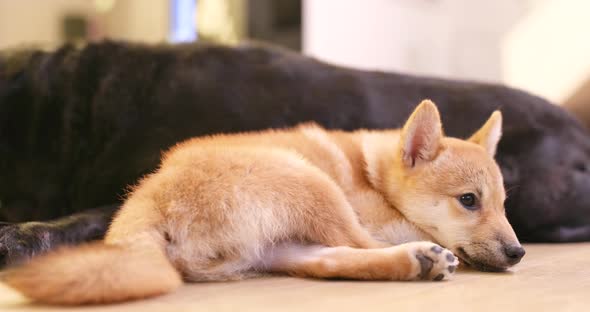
[21,241]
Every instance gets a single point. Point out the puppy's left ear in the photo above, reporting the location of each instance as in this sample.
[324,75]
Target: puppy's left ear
[489,134]
[421,135]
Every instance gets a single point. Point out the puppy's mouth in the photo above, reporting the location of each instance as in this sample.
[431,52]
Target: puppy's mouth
[478,265]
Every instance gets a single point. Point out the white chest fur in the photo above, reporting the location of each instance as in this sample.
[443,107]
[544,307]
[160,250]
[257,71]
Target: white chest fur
[399,232]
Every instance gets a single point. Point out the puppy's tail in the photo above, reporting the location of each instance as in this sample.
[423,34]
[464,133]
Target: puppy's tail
[96,273]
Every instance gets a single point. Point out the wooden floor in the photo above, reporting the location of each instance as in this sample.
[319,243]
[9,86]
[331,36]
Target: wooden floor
[550,278]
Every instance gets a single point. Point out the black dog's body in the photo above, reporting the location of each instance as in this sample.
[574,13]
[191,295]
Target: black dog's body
[77,127]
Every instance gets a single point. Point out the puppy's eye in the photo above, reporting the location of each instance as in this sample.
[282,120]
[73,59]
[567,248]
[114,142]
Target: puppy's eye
[469,201]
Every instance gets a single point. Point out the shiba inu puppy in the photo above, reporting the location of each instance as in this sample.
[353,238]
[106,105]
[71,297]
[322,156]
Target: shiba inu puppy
[366,205]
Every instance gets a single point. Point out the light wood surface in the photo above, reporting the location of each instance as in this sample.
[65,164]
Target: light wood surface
[550,278]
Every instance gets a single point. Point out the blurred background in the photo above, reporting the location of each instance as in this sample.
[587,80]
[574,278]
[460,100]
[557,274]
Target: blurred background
[537,45]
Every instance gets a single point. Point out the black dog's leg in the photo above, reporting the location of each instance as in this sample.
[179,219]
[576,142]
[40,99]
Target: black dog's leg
[21,241]
[560,234]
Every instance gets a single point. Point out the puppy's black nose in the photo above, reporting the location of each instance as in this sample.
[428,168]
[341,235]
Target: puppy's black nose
[514,253]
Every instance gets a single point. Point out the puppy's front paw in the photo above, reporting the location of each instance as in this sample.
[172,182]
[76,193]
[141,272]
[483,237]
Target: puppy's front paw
[431,261]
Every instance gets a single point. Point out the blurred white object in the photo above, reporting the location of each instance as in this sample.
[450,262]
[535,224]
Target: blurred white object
[449,38]
[548,52]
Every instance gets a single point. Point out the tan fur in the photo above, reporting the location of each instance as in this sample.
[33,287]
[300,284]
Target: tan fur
[303,201]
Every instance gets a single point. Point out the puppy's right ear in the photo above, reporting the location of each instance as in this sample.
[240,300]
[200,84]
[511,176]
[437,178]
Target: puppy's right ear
[421,135]
[489,134]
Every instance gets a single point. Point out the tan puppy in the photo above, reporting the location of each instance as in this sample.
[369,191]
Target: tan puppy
[303,201]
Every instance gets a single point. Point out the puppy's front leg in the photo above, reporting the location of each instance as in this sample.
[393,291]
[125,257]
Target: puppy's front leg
[410,261]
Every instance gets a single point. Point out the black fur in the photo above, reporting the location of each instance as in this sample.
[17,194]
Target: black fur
[78,126]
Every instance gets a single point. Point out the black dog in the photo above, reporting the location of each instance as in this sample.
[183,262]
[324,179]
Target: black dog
[78,126]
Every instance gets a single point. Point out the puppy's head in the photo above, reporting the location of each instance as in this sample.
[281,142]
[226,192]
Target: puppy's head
[453,189]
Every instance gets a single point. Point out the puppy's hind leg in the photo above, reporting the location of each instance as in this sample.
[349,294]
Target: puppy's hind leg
[411,261]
